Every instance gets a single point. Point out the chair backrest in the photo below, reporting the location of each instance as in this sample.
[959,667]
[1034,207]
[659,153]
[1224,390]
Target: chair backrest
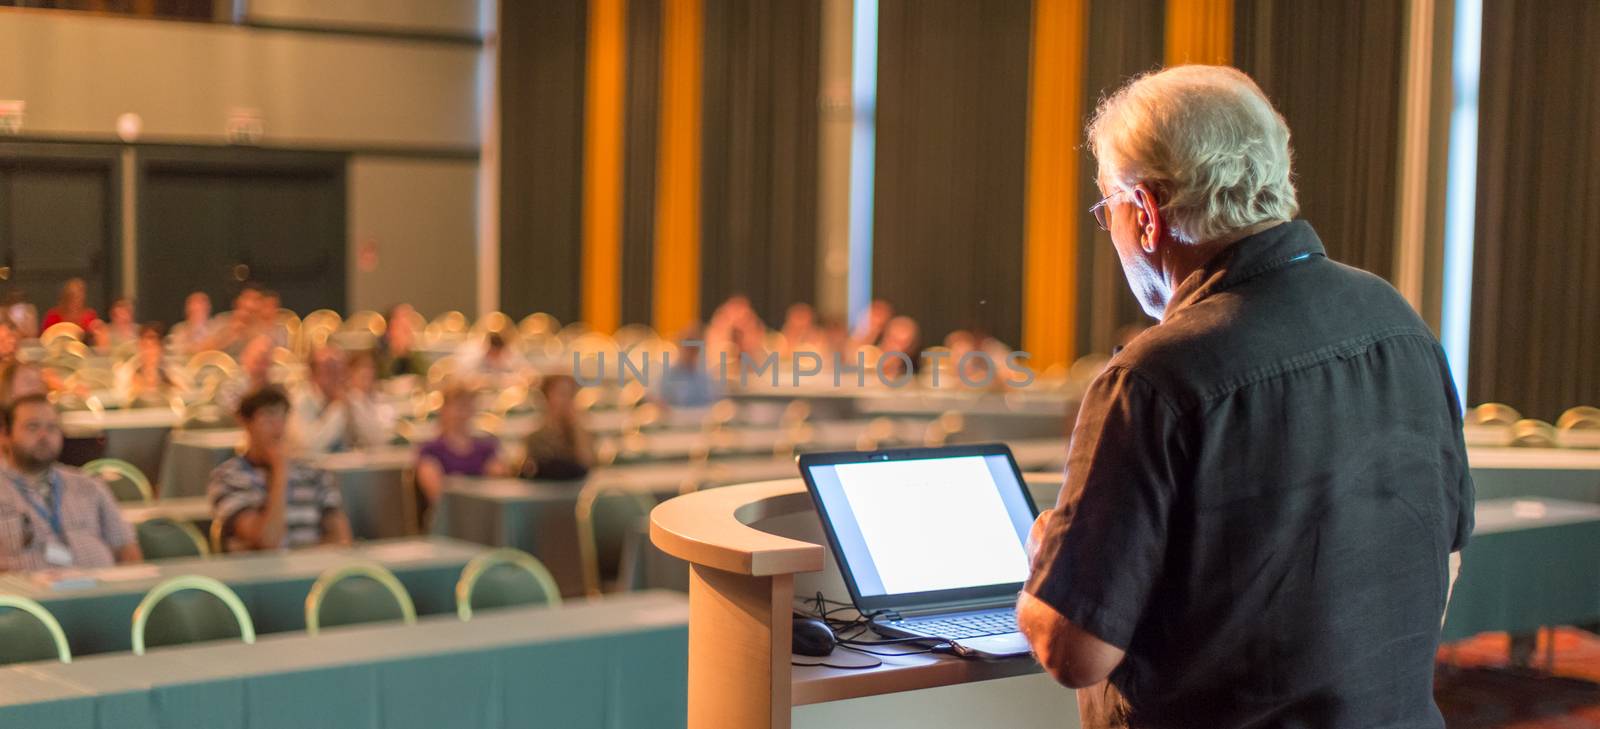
[1530,433]
[207,416]
[357,593]
[1493,413]
[165,538]
[605,515]
[190,609]
[1582,417]
[126,481]
[504,578]
[28,632]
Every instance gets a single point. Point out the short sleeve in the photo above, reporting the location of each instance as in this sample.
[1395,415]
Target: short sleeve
[1103,549]
[231,490]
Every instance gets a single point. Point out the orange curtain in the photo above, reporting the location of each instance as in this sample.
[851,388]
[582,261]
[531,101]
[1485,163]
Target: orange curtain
[1055,121]
[602,164]
[677,254]
[1200,31]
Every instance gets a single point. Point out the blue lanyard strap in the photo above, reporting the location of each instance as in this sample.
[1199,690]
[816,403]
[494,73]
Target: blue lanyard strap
[51,515]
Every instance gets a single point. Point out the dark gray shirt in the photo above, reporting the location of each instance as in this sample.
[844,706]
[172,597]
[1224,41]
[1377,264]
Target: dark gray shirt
[1261,496]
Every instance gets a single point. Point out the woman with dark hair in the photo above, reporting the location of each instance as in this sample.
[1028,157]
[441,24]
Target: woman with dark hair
[395,355]
[144,379]
[562,447]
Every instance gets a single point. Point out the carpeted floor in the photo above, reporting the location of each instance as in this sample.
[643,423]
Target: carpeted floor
[1477,688]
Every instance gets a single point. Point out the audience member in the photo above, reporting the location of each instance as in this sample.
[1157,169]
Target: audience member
[498,360]
[900,351]
[870,329]
[53,516]
[255,372]
[457,451]
[71,307]
[326,418]
[266,499]
[396,357]
[800,330]
[119,328]
[685,383]
[267,310]
[195,332]
[22,315]
[361,389]
[144,380]
[240,325]
[561,448]
[8,341]
[19,380]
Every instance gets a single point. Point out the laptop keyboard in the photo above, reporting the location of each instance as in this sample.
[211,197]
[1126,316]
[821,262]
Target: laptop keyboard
[964,626]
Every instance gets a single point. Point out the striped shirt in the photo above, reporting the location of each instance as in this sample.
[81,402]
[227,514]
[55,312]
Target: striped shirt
[94,526]
[239,485]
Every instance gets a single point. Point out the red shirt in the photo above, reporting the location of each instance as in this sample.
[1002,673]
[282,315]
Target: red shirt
[85,320]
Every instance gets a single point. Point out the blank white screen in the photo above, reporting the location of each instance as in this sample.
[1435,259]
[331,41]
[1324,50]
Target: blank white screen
[934,524]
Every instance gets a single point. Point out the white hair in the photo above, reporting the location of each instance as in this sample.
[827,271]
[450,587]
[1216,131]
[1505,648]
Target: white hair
[1208,143]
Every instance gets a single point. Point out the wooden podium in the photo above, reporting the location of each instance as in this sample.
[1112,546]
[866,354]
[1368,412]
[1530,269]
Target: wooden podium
[741,599]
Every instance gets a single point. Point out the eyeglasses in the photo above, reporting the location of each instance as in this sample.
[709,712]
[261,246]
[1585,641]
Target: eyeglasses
[1099,210]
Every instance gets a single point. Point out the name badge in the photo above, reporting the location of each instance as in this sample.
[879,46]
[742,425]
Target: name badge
[57,554]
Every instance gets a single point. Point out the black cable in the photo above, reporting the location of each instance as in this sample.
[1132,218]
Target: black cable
[933,649]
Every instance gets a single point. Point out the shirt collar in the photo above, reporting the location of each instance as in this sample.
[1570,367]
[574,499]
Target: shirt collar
[1251,256]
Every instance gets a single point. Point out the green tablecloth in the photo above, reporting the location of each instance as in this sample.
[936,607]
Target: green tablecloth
[1530,563]
[617,663]
[1550,473]
[273,586]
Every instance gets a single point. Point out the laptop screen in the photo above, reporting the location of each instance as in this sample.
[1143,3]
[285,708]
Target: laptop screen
[931,522]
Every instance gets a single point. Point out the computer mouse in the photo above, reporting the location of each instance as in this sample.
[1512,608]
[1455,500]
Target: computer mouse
[812,637]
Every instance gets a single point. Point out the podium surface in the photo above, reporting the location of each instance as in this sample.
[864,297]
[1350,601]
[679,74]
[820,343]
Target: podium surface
[747,546]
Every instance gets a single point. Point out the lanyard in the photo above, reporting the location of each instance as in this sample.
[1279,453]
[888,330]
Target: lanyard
[53,515]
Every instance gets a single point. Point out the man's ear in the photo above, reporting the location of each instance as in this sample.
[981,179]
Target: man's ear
[1151,229]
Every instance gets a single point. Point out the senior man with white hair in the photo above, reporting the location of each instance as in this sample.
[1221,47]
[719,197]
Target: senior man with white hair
[1264,491]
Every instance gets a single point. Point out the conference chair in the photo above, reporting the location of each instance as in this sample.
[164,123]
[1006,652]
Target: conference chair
[450,322]
[367,321]
[72,402]
[211,365]
[605,516]
[28,632]
[496,322]
[504,578]
[538,324]
[1493,413]
[166,538]
[357,593]
[124,479]
[190,609]
[325,319]
[60,333]
[1579,427]
[207,416]
[1530,433]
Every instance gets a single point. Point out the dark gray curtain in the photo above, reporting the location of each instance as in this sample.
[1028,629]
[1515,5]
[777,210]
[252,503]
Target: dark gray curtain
[759,154]
[952,122]
[1334,69]
[1535,314]
[1126,38]
[639,159]
[542,47]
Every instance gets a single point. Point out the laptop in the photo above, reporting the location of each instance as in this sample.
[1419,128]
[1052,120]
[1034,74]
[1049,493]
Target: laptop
[929,540]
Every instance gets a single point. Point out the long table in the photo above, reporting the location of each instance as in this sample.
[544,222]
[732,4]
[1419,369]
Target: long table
[1553,473]
[273,586]
[615,663]
[1530,563]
